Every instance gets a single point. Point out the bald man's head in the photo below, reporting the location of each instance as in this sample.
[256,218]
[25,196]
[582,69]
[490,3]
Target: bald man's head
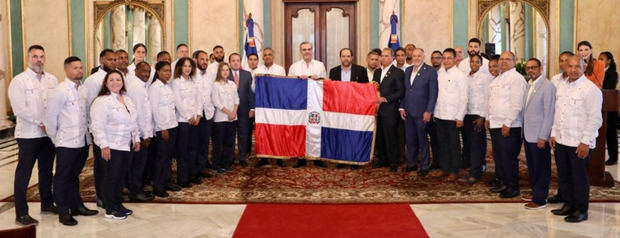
[506,61]
[574,68]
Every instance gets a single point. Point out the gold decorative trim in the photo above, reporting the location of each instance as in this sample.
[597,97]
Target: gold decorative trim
[88,50]
[24,45]
[556,64]
[172,26]
[575,12]
[9,47]
[189,26]
[237,25]
[69,39]
[451,34]
[156,7]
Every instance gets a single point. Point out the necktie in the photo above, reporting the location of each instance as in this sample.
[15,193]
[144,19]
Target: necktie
[236,75]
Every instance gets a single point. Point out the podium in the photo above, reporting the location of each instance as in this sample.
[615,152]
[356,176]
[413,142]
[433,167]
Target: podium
[596,169]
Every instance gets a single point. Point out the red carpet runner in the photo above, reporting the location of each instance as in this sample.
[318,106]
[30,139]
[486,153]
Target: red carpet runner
[305,220]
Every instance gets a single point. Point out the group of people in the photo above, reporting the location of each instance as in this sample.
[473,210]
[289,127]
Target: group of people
[138,117]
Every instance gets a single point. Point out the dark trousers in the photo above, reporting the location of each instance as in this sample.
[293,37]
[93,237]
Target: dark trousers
[137,168]
[98,172]
[416,142]
[204,138]
[573,174]
[223,144]
[475,145]
[511,147]
[449,148]
[612,136]
[69,165]
[539,171]
[387,139]
[432,135]
[187,151]
[30,151]
[242,131]
[115,170]
[497,144]
[162,164]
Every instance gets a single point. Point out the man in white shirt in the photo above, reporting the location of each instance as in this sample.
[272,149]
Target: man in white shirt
[67,125]
[218,54]
[538,116]
[93,83]
[449,112]
[122,63]
[559,80]
[573,135]
[182,52]
[28,95]
[269,67]
[205,126]
[307,67]
[253,67]
[400,61]
[460,55]
[138,92]
[473,48]
[474,133]
[505,119]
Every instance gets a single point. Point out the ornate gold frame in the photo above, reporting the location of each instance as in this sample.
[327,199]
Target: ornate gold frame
[155,7]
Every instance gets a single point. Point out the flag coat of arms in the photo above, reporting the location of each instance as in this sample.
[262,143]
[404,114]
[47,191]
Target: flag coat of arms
[315,119]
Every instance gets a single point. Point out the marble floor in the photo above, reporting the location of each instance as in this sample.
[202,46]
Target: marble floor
[199,220]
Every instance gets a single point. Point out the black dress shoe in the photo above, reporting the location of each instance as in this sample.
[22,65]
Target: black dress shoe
[67,220]
[172,187]
[412,168]
[196,180]
[300,163]
[184,184]
[243,163]
[26,220]
[576,216]
[142,197]
[160,193]
[508,193]
[261,162]
[495,182]
[394,168]
[51,209]
[100,203]
[319,163]
[498,189]
[555,199]
[83,211]
[280,163]
[609,162]
[564,211]
[423,172]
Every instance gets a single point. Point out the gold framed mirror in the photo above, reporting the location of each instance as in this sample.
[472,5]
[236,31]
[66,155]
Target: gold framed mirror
[121,24]
[520,26]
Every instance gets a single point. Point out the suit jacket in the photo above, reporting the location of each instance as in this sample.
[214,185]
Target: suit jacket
[358,73]
[392,88]
[422,95]
[611,79]
[539,111]
[246,96]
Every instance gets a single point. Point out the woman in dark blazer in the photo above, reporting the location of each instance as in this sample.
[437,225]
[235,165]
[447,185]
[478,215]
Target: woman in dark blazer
[610,82]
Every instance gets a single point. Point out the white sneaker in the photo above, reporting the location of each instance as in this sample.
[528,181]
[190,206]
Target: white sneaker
[116,216]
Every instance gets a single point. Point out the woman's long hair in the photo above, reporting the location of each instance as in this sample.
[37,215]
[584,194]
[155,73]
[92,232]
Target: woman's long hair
[178,68]
[219,76]
[104,89]
[590,67]
[159,66]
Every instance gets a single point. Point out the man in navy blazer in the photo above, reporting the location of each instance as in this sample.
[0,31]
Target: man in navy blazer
[347,71]
[243,79]
[537,122]
[416,108]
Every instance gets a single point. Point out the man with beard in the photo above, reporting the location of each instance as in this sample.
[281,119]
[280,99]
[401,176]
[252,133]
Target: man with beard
[436,59]
[372,62]
[400,59]
[122,62]
[347,71]
[473,48]
[218,54]
[409,52]
[205,126]
[93,84]
[27,94]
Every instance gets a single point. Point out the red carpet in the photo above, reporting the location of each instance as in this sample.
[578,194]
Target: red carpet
[332,220]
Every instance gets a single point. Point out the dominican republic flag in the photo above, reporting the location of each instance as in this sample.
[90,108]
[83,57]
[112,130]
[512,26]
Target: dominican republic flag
[315,119]
[393,42]
[251,43]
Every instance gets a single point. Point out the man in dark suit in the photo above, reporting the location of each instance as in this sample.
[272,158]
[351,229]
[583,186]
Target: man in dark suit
[420,84]
[243,79]
[348,71]
[391,91]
